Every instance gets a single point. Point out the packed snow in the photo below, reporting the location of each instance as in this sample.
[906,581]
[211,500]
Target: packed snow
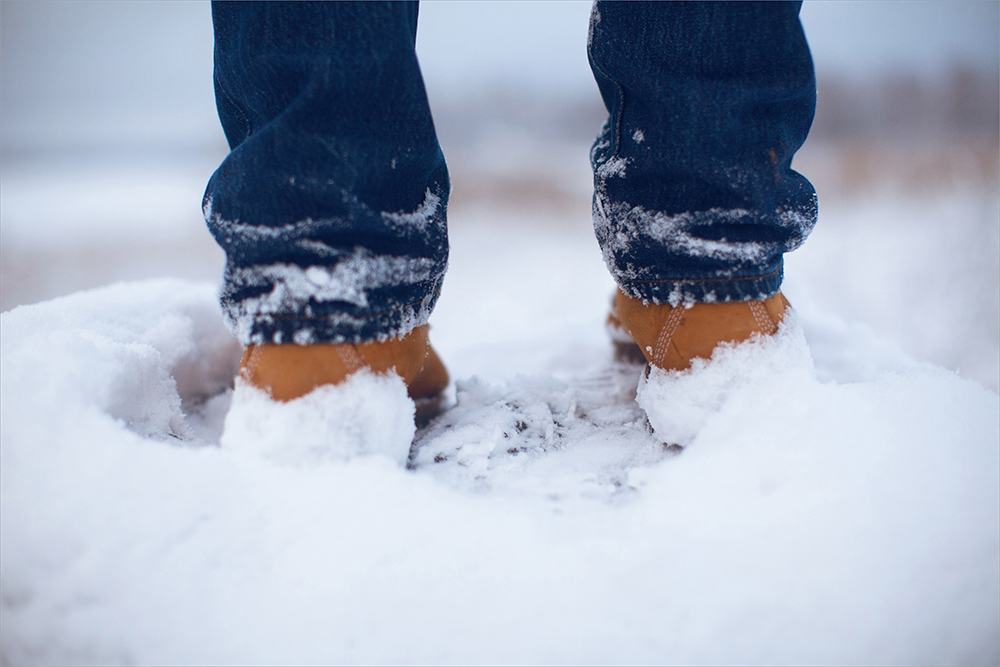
[834,501]
[368,414]
[829,495]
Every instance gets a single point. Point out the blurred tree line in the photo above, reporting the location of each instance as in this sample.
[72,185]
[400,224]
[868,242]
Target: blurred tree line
[905,132]
[965,104]
[899,130]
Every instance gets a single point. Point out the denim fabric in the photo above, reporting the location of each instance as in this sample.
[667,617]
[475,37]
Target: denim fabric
[694,196]
[331,206]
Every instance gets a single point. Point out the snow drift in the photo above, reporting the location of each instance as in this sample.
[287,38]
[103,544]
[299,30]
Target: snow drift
[835,507]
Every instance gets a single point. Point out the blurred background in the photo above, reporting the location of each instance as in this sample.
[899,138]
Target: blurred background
[108,135]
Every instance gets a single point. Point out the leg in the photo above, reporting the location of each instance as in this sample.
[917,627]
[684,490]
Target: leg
[331,206]
[695,201]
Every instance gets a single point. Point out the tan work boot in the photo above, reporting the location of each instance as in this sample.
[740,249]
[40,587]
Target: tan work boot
[290,371]
[670,337]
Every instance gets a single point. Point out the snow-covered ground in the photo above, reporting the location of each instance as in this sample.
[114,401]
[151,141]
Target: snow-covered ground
[837,496]
[836,500]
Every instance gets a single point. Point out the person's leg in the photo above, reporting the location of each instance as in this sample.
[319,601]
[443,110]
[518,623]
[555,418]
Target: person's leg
[695,201]
[331,207]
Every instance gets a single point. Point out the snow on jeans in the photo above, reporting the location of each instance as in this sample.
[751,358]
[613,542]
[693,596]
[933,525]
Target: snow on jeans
[332,205]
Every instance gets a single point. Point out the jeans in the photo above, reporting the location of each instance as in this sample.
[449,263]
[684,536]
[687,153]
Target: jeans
[332,205]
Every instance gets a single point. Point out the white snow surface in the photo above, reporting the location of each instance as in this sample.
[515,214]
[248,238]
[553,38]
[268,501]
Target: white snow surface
[367,414]
[836,501]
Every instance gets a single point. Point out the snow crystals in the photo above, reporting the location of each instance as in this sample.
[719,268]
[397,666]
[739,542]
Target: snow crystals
[422,216]
[290,288]
[368,414]
[847,519]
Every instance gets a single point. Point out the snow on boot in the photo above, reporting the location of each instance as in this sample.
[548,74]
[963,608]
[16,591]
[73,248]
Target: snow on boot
[302,403]
[287,372]
[694,356]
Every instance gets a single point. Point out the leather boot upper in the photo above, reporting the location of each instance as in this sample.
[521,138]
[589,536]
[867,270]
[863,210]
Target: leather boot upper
[291,371]
[669,337]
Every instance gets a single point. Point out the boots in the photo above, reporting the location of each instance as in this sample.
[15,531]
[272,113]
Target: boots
[669,337]
[287,372]
[663,336]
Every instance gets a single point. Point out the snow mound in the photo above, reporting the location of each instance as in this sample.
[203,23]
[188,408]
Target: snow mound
[367,414]
[139,353]
[841,514]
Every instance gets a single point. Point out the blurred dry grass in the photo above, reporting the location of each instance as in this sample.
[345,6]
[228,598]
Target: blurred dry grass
[897,133]
[903,134]
[849,168]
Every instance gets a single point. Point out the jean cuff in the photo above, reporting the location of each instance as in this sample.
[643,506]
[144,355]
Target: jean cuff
[339,327]
[282,307]
[712,290]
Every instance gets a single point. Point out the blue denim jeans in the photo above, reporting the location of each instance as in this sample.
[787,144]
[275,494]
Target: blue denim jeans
[694,196]
[332,205]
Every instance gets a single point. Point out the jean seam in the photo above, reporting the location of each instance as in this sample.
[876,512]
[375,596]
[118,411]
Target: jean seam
[236,107]
[619,116]
[709,280]
[621,100]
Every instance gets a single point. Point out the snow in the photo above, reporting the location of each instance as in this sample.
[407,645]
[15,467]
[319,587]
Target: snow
[835,501]
[613,167]
[368,414]
[293,287]
[680,405]
[420,218]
